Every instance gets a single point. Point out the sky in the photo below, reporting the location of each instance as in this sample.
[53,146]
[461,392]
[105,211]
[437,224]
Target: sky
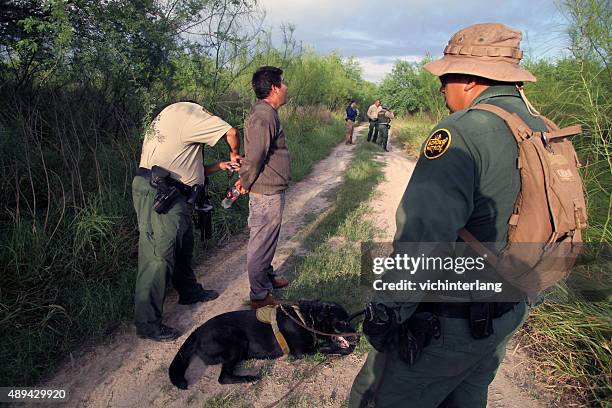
[379,32]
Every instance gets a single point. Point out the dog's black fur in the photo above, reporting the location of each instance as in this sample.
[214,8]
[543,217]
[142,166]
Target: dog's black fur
[235,336]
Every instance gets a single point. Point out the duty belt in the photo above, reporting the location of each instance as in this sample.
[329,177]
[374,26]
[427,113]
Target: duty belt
[184,189]
[462,310]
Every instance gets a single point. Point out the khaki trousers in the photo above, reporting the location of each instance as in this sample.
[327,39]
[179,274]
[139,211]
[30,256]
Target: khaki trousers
[349,132]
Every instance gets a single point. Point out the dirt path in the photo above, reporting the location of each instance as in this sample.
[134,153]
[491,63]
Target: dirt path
[130,372]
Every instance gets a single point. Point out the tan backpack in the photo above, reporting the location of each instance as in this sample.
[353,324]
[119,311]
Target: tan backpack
[545,229]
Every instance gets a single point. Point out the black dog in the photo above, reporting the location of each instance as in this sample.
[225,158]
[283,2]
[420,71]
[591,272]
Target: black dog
[235,336]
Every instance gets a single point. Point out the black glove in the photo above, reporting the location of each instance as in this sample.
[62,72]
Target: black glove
[380,327]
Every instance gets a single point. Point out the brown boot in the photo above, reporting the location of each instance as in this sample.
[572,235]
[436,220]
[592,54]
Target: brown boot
[279,282]
[267,301]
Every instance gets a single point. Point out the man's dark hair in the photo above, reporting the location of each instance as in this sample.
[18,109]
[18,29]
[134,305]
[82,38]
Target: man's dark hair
[264,78]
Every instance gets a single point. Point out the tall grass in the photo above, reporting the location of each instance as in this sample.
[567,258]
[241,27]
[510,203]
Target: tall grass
[311,133]
[572,342]
[410,131]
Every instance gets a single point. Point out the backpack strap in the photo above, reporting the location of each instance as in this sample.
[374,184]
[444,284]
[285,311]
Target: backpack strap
[477,246]
[519,128]
[521,131]
[565,132]
[555,132]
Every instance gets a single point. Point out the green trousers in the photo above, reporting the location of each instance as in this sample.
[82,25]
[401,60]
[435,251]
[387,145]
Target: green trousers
[383,133]
[373,131]
[165,248]
[453,371]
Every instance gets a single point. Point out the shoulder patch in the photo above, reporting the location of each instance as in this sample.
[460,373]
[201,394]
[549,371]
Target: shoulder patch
[437,144]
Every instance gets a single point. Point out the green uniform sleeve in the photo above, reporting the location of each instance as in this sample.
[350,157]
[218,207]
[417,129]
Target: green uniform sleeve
[438,200]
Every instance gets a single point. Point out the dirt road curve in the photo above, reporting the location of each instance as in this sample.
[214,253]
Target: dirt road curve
[130,372]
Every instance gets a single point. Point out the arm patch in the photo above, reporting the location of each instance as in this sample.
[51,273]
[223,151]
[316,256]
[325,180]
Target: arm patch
[437,144]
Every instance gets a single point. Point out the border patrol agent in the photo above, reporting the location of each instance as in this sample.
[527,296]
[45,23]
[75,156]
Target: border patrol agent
[466,176]
[373,119]
[174,142]
[383,125]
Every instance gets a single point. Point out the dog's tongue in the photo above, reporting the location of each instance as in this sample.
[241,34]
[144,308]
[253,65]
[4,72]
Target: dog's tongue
[342,342]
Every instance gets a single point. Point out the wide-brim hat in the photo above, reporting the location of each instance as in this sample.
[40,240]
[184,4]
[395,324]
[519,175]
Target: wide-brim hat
[488,50]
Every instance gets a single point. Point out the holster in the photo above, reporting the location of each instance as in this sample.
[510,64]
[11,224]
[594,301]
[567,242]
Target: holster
[200,200]
[481,320]
[380,327]
[166,190]
[415,334]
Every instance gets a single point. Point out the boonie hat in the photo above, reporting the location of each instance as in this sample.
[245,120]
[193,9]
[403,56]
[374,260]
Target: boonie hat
[488,50]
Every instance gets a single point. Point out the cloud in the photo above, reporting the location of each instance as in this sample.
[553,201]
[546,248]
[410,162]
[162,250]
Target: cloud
[351,35]
[373,30]
[376,67]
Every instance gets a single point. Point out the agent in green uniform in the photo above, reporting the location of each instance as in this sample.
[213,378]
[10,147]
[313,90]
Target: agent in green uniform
[383,124]
[174,142]
[466,176]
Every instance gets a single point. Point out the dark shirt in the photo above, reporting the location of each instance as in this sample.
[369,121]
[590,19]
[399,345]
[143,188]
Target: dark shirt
[474,184]
[351,113]
[266,168]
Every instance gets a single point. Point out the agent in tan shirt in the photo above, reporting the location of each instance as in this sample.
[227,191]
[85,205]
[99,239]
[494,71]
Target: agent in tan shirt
[174,141]
[373,119]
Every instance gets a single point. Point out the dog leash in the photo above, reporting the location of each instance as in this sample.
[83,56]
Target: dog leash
[356,314]
[310,329]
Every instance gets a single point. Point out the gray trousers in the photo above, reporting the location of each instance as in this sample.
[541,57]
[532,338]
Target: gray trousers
[265,216]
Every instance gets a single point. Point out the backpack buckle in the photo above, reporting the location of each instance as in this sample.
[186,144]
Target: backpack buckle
[545,142]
